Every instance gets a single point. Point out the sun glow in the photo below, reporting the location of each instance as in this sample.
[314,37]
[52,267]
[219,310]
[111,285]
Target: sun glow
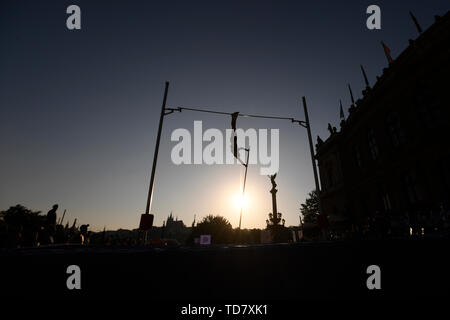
[240,202]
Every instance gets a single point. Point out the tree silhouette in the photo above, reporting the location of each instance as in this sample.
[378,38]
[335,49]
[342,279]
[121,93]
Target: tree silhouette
[310,209]
[218,227]
[19,216]
[22,224]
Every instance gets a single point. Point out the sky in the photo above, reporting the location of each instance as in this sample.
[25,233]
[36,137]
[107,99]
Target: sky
[79,109]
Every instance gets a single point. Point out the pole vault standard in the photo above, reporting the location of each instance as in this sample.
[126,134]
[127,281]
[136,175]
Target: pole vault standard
[147,219]
[311,149]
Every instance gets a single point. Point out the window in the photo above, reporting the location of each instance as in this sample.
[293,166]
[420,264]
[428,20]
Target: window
[394,129]
[410,185]
[372,144]
[428,105]
[428,115]
[445,168]
[330,176]
[386,202]
[357,153]
[384,197]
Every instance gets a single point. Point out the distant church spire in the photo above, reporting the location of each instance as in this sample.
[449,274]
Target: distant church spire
[341,111]
[169,218]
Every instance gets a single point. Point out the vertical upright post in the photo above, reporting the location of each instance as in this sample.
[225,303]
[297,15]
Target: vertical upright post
[311,148]
[147,221]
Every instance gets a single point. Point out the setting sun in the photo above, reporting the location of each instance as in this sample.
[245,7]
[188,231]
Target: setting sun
[240,202]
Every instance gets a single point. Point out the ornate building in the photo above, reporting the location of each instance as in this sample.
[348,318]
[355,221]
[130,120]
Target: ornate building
[175,229]
[392,153]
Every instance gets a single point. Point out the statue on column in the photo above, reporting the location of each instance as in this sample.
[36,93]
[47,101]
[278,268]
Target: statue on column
[275,223]
[272,180]
[275,217]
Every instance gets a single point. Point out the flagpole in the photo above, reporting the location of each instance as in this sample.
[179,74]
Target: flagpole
[416,23]
[341,111]
[366,81]
[351,94]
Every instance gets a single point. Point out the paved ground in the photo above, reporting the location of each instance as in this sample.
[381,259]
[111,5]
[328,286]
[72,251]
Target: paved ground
[410,268]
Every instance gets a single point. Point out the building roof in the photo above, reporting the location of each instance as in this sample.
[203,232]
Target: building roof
[416,50]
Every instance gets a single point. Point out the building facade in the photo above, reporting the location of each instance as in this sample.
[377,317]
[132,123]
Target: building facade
[392,153]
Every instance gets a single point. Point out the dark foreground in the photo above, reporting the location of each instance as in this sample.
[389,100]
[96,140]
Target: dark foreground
[414,268]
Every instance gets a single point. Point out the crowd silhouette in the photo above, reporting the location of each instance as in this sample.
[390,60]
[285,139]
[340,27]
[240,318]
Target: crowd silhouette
[414,223]
[21,227]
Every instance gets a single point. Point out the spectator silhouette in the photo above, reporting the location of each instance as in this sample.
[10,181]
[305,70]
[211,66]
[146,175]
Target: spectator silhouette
[84,234]
[51,223]
[51,215]
[60,235]
[414,222]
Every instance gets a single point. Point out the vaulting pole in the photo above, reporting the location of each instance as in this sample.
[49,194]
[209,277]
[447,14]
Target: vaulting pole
[61,221]
[147,218]
[243,189]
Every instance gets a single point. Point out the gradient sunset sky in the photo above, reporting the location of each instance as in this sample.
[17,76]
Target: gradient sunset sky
[79,110]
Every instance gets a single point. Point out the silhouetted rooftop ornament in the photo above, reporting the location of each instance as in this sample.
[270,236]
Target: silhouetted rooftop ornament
[330,128]
[319,141]
[358,102]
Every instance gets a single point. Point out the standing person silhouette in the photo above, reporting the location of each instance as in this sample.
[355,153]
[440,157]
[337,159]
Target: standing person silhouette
[51,223]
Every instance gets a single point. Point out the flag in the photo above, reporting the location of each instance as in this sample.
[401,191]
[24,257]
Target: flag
[415,22]
[341,111]
[387,52]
